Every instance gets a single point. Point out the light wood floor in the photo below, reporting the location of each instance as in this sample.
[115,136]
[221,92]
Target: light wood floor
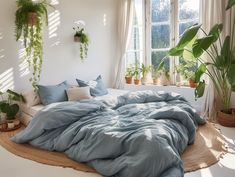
[13,166]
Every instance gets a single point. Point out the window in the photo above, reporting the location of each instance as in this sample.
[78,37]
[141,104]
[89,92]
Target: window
[157,26]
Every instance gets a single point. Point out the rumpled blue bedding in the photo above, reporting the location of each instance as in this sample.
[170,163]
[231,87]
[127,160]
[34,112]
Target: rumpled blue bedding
[140,134]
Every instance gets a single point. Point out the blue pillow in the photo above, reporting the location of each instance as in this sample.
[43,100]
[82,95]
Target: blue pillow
[97,87]
[53,93]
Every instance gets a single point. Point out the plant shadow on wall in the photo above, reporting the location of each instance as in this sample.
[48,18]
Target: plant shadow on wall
[81,37]
[29,19]
[220,69]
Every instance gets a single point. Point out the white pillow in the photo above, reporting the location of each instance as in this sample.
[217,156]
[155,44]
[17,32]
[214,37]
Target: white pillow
[78,93]
[32,98]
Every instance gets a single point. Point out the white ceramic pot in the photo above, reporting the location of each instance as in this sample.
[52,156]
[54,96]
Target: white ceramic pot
[10,124]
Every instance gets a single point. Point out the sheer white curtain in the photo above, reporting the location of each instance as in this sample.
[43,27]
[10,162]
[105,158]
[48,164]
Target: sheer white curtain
[212,12]
[125,19]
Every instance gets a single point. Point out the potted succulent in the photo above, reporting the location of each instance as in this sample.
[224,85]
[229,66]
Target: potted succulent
[81,37]
[29,19]
[129,74]
[9,107]
[136,73]
[221,68]
[146,74]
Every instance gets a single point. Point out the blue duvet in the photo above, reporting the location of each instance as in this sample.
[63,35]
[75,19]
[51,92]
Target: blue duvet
[140,134]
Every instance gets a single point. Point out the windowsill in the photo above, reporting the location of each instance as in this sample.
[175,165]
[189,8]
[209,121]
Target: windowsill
[159,86]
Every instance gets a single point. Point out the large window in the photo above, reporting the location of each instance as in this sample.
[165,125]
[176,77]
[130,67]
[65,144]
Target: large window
[157,26]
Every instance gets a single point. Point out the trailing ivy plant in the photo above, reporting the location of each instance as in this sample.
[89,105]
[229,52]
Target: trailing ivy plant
[221,69]
[32,33]
[83,38]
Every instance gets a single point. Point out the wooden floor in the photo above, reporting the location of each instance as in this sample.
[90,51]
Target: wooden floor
[13,166]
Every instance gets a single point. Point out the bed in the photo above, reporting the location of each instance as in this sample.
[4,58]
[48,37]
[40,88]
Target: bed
[136,134]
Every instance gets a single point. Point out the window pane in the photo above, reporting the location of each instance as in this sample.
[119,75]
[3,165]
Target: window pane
[160,10]
[157,58]
[184,26]
[134,58]
[188,9]
[160,36]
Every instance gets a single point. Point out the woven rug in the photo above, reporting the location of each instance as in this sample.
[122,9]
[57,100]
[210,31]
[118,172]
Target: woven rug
[206,151]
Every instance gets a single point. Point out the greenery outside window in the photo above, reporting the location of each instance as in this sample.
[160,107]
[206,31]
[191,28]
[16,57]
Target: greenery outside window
[157,27]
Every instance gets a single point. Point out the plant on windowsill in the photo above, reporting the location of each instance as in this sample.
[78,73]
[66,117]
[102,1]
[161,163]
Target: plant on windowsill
[81,37]
[146,74]
[221,69]
[29,19]
[129,74]
[164,77]
[137,72]
[9,107]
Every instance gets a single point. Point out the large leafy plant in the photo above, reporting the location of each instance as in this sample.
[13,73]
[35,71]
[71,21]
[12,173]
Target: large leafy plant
[32,33]
[8,105]
[221,68]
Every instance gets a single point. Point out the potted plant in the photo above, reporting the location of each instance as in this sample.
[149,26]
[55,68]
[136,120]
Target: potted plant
[155,76]
[81,37]
[29,19]
[164,78]
[221,68]
[129,74]
[9,107]
[146,74]
[136,73]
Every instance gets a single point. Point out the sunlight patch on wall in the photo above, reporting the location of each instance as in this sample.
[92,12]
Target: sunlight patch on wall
[6,80]
[54,22]
[105,19]
[23,64]
[2,53]
[54,2]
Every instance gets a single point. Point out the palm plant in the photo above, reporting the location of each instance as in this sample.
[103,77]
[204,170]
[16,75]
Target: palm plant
[32,30]
[221,69]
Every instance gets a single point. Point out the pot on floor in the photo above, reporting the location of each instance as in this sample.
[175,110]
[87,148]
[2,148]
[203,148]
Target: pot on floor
[227,119]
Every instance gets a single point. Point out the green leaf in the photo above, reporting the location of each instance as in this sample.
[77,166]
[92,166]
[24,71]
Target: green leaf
[215,31]
[233,88]
[160,66]
[188,36]
[231,3]
[231,74]
[11,111]
[176,52]
[201,45]
[226,52]
[199,73]
[199,91]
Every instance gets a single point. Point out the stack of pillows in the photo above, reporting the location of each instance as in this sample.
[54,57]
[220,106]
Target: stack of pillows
[65,92]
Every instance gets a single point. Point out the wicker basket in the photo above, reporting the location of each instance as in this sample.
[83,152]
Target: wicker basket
[227,120]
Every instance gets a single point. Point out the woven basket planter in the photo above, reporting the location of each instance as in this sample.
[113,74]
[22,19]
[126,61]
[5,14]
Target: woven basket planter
[227,120]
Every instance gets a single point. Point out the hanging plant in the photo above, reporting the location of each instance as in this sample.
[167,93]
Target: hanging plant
[29,19]
[82,37]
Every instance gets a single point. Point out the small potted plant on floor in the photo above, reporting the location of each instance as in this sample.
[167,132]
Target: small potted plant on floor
[9,106]
[137,72]
[81,37]
[129,74]
[146,74]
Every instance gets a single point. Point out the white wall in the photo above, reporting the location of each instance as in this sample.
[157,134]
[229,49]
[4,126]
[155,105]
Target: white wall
[61,54]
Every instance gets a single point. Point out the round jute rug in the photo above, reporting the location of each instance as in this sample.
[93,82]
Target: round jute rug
[206,151]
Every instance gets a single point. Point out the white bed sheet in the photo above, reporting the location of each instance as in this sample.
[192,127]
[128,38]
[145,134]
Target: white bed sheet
[27,113]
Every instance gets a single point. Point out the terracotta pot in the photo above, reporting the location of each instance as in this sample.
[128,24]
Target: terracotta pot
[137,81]
[192,83]
[77,39]
[128,80]
[225,119]
[32,18]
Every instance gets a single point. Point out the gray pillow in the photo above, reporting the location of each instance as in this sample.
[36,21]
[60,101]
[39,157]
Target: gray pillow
[97,87]
[53,93]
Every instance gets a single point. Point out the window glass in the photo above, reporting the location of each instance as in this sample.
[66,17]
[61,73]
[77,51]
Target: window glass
[160,10]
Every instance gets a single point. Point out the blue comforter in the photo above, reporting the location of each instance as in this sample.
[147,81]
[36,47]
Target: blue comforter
[141,134]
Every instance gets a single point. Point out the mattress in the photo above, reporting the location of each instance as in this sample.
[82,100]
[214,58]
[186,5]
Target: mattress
[27,113]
